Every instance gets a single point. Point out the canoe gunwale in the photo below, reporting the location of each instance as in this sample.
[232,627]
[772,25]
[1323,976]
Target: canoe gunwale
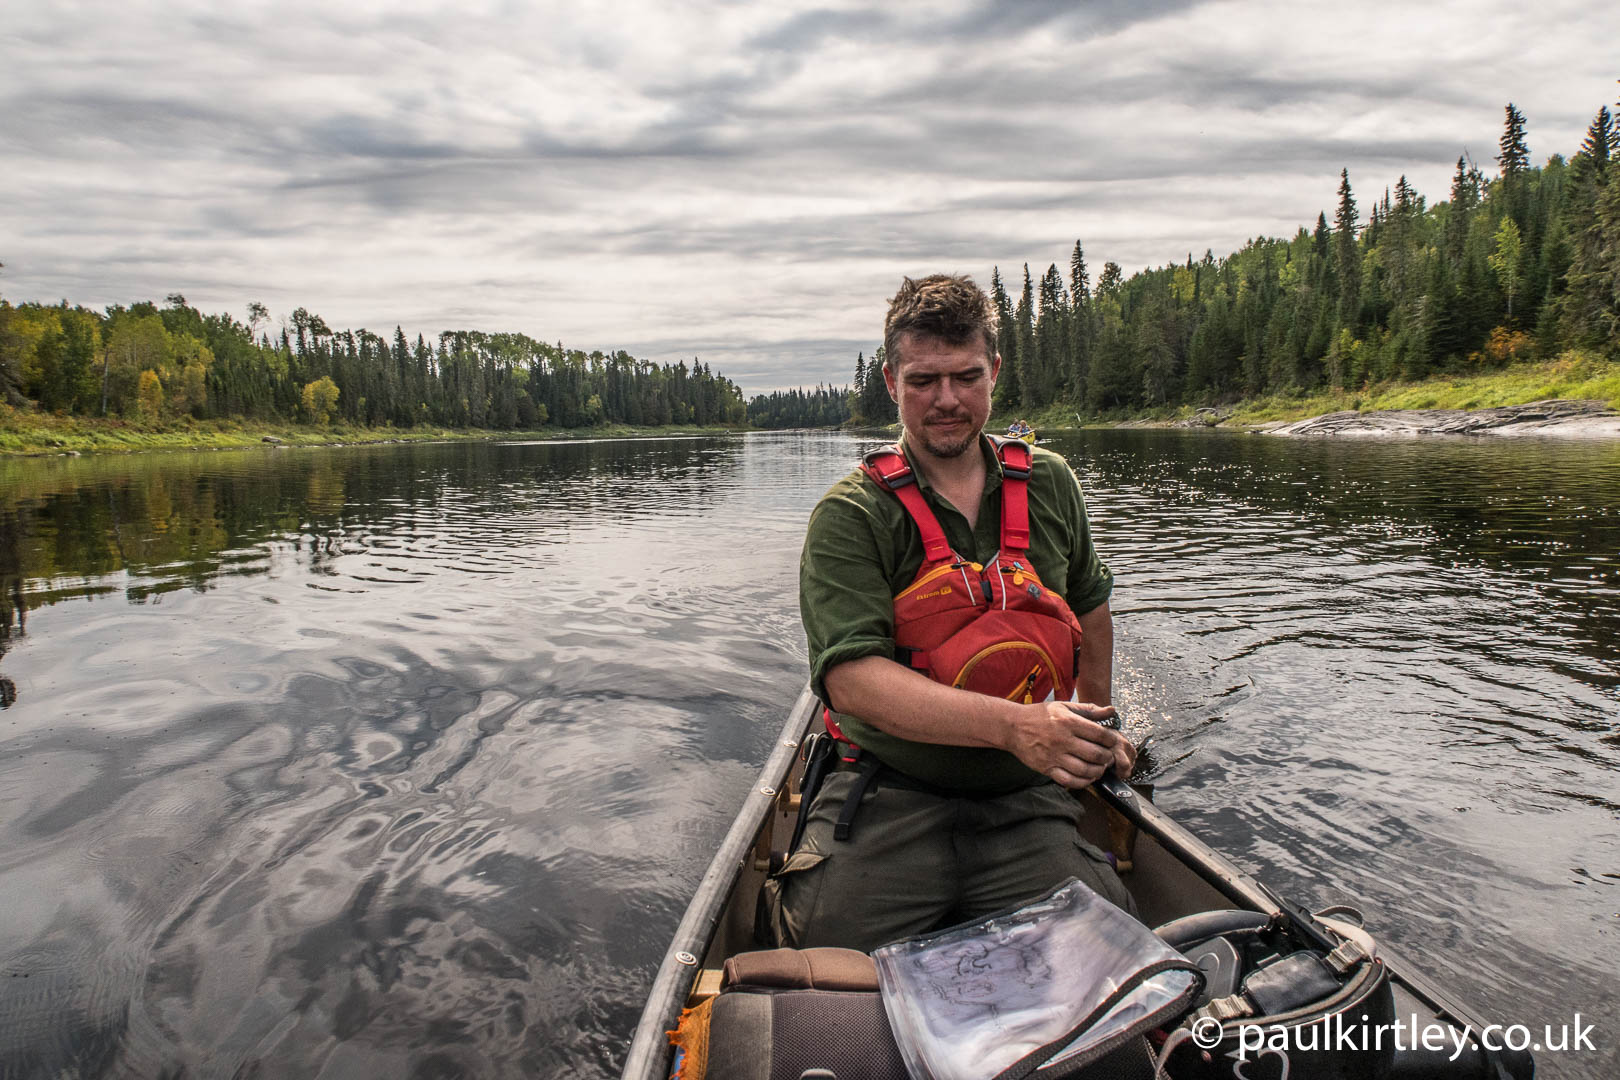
[1222,874]
[649,1048]
[1227,878]
[1217,875]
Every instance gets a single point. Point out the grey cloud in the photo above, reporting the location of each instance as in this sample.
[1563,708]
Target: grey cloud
[808,29]
[681,142]
[348,135]
[459,187]
[991,21]
[756,227]
[1001,18]
[71,125]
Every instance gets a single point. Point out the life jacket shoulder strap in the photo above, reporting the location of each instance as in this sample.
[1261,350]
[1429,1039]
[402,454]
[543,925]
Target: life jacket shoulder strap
[889,468]
[1015,459]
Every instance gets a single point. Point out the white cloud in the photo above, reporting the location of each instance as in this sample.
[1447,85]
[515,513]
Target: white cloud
[738,181]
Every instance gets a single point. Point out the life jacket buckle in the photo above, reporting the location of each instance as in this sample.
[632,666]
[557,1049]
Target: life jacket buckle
[900,476]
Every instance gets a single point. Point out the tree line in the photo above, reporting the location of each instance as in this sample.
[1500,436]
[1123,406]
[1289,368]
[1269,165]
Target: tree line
[1520,265]
[1523,264]
[150,364]
[866,403]
[825,406]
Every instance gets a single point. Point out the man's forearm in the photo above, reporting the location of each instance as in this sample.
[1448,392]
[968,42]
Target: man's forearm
[1060,740]
[1095,676]
[902,702]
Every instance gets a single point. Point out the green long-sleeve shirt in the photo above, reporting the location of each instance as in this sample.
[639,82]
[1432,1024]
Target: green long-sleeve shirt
[862,549]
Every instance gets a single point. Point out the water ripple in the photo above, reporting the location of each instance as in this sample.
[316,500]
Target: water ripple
[405,759]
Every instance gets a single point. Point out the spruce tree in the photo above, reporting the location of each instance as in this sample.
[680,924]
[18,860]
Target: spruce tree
[1591,164]
[1052,336]
[1515,155]
[1110,382]
[1079,277]
[1348,257]
[877,407]
[1515,162]
[1024,318]
[1591,308]
[1599,145]
[1464,194]
[1080,323]
[1009,390]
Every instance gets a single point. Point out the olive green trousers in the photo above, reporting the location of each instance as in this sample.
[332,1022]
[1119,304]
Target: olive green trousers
[915,862]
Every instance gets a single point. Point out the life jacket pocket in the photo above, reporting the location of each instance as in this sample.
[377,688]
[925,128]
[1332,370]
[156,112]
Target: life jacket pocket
[1019,656]
[1020,664]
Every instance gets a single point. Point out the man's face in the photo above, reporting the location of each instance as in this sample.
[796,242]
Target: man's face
[943,392]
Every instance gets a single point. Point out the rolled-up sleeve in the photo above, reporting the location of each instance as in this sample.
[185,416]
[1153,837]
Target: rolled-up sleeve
[1090,581]
[844,596]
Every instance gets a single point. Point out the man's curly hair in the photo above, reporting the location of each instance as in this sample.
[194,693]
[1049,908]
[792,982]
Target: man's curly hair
[945,307]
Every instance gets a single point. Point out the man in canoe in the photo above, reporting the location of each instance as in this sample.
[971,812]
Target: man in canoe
[959,633]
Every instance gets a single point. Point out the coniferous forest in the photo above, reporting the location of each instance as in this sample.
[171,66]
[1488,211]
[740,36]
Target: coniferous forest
[152,365]
[1522,264]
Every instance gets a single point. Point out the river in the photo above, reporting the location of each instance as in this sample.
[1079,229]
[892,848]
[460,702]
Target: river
[404,760]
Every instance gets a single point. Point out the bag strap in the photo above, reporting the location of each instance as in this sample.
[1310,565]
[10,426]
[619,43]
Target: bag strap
[1027,1064]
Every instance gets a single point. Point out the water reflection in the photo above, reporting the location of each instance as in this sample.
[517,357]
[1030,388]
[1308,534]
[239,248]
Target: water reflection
[403,756]
[404,760]
[1379,668]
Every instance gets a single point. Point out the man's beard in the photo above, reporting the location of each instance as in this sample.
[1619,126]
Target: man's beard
[952,449]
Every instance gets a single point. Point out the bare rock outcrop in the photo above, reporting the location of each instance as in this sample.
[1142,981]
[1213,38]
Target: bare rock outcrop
[1205,418]
[1563,418]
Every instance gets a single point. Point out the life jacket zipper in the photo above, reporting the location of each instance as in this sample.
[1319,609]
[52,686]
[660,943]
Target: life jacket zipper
[937,572]
[1026,685]
[1029,686]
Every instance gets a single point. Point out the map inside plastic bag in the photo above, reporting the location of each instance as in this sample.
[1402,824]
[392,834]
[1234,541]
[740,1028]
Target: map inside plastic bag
[1047,988]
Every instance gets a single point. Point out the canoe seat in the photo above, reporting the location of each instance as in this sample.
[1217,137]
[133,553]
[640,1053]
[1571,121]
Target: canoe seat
[784,1012]
[802,969]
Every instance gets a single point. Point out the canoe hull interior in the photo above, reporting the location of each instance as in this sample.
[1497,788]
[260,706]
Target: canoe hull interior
[1169,872]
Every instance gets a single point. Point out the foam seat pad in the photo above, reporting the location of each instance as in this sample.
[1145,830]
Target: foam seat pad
[782,1012]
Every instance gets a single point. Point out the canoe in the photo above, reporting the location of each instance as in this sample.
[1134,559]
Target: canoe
[1170,872]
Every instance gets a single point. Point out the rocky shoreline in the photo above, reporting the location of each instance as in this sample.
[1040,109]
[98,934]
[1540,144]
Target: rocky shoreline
[1560,418]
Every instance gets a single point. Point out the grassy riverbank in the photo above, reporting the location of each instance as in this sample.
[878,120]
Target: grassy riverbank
[1574,375]
[23,432]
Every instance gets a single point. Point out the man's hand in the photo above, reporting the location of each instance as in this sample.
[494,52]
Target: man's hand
[1062,740]
[1068,742]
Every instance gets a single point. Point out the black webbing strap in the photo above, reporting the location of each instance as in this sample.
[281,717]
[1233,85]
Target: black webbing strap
[866,771]
[819,752]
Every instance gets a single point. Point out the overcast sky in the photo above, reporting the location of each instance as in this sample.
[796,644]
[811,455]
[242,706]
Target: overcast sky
[743,182]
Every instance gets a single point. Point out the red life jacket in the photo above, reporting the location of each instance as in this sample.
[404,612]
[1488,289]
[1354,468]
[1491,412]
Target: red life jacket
[993,628]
